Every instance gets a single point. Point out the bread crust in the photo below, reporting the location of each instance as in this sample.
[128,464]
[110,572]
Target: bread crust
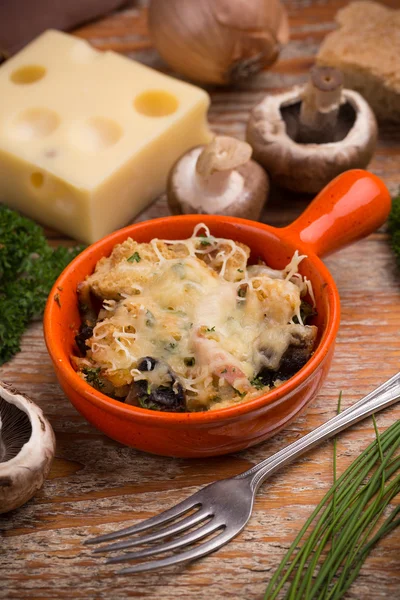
[366,48]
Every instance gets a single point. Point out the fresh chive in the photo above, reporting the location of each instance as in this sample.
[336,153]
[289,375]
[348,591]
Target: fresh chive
[328,552]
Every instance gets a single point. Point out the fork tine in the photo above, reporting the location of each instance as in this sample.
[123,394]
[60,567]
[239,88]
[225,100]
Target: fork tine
[180,542]
[164,517]
[197,552]
[181,525]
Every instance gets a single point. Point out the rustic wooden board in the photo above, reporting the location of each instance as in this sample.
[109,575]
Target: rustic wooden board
[96,484]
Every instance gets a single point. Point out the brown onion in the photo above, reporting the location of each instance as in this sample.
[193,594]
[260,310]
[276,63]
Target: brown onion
[218,41]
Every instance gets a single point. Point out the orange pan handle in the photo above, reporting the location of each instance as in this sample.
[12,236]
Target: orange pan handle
[350,207]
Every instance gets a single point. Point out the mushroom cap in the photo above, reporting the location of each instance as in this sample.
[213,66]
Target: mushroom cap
[248,204]
[309,167]
[27,446]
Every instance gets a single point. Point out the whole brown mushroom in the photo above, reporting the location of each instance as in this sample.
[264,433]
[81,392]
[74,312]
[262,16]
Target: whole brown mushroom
[27,447]
[219,178]
[307,136]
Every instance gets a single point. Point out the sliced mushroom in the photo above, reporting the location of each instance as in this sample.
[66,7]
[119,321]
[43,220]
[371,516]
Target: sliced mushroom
[283,361]
[160,388]
[85,333]
[307,136]
[219,178]
[27,447]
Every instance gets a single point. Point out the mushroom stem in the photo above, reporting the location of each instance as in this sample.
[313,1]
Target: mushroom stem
[215,184]
[218,159]
[320,106]
[224,153]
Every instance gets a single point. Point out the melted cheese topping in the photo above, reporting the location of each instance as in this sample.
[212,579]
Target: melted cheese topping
[198,308]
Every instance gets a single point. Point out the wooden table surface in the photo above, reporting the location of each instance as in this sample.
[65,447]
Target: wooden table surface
[96,484]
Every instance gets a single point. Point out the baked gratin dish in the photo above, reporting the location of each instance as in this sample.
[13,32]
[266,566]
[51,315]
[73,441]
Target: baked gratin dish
[189,325]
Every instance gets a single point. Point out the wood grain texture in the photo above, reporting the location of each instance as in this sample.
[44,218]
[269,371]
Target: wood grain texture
[96,484]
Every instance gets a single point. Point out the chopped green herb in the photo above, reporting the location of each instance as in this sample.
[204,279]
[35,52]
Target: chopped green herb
[258,383]
[224,371]
[189,361]
[146,402]
[210,329]
[150,320]
[92,376]
[134,258]
[168,346]
[28,269]
[240,270]
[205,241]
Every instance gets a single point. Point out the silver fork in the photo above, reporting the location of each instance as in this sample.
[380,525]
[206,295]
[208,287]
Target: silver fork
[222,509]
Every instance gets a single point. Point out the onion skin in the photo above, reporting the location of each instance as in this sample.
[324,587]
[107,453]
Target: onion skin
[218,41]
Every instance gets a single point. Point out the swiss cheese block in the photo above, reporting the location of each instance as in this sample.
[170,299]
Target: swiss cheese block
[87,138]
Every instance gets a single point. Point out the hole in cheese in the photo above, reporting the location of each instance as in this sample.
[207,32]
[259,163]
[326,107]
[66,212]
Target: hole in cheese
[28,74]
[35,123]
[156,103]
[37,180]
[97,133]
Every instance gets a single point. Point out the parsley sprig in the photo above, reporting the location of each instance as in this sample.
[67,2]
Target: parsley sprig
[394,227]
[28,269]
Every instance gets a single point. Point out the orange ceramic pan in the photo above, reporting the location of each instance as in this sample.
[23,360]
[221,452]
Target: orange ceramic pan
[349,208]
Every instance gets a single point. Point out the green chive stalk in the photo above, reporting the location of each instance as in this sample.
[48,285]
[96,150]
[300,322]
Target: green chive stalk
[328,552]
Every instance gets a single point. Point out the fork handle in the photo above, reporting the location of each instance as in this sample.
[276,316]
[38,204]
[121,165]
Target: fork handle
[386,394]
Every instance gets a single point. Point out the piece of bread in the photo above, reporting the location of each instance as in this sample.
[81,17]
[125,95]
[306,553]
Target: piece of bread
[366,48]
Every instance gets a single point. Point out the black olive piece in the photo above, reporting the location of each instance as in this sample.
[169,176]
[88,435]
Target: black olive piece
[147,363]
[85,332]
